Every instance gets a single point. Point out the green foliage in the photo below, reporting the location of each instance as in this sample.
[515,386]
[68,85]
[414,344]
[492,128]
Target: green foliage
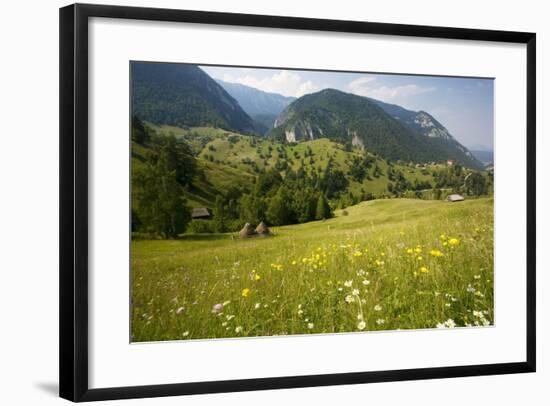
[167,166]
[140,133]
[323,210]
[202,227]
[279,209]
[160,204]
[475,184]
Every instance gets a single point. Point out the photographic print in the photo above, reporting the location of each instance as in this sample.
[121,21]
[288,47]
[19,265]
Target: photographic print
[269,202]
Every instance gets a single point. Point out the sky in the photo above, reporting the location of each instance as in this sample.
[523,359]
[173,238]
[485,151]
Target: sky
[463,105]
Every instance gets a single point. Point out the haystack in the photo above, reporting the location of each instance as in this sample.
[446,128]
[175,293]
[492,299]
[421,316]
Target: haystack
[263,229]
[247,231]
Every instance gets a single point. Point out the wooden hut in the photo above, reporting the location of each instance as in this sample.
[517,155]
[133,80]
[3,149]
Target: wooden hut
[201,213]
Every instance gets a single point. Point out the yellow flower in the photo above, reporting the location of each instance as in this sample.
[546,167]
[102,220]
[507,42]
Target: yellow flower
[294,262]
[454,241]
[419,258]
[245,292]
[423,269]
[409,251]
[418,250]
[436,253]
[257,277]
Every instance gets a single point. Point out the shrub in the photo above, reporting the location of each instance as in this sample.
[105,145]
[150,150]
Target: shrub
[202,227]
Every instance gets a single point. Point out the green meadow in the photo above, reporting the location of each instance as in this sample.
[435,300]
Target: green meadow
[384,264]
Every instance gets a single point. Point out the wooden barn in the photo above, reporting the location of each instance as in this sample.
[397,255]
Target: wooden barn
[201,213]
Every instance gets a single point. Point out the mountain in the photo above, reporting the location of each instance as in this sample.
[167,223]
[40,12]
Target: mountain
[419,121]
[263,107]
[387,130]
[484,156]
[184,95]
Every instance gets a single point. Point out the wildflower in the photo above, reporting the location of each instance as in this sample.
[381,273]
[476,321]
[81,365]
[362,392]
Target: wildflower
[361,325]
[294,262]
[355,292]
[226,302]
[348,284]
[454,241]
[239,329]
[310,325]
[377,308]
[257,277]
[409,250]
[245,292]
[218,307]
[349,299]
[423,269]
[470,289]
[419,258]
[477,313]
[418,249]
[357,254]
[436,253]
[477,276]
[300,312]
[185,333]
[180,309]
[366,282]
[449,323]
[257,306]
[380,321]
[229,317]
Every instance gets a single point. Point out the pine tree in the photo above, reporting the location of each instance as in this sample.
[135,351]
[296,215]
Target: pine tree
[323,208]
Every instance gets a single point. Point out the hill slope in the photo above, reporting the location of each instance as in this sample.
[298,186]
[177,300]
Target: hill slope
[349,118]
[183,95]
[230,159]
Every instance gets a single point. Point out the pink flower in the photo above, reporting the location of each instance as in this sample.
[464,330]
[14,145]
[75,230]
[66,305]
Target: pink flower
[218,307]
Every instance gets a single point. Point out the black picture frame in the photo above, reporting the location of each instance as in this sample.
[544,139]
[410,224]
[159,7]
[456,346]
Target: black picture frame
[73,79]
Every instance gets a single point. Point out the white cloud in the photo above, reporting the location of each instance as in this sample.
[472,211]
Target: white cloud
[285,82]
[366,86]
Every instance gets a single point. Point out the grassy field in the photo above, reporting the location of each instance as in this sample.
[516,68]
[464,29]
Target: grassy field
[383,264]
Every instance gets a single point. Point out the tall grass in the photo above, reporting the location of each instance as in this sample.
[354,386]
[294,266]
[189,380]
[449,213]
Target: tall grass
[388,264]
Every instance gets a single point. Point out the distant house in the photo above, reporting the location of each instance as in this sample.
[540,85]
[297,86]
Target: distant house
[201,213]
[455,198]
